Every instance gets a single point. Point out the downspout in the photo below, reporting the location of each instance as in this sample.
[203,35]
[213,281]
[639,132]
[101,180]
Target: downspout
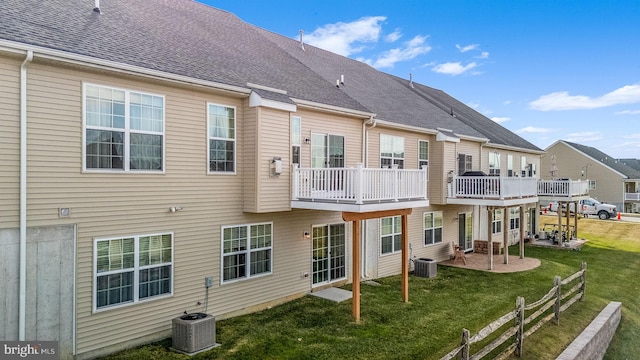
[22,301]
[365,160]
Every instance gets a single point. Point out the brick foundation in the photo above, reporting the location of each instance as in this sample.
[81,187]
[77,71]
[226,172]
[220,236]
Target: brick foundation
[480,247]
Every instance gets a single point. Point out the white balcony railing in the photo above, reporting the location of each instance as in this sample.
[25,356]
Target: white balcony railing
[563,188]
[632,196]
[493,187]
[359,185]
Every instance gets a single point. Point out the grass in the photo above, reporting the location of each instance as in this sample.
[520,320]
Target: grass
[430,325]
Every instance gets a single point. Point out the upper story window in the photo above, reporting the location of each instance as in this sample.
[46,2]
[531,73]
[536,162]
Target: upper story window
[124,130]
[391,234]
[246,251]
[432,227]
[391,151]
[592,184]
[464,163]
[523,166]
[510,165]
[423,153]
[296,139]
[133,268]
[494,163]
[222,138]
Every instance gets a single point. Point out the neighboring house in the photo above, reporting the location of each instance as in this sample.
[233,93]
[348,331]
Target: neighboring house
[148,146]
[613,181]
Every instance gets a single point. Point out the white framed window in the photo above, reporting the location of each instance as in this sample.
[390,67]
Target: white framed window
[510,166]
[296,139]
[432,226]
[247,251]
[391,151]
[423,153]
[390,234]
[464,163]
[131,269]
[497,221]
[514,218]
[592,184]
[123,130]
[523,166]
[494,163]
[222,138]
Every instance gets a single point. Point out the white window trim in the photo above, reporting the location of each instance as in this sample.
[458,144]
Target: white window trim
[394,250]
[126,130]
[235,141]
[424,244]
[297,119]
[494,221]
[428,152]
[136,270]
[514,216]
[248,252]
[393,158]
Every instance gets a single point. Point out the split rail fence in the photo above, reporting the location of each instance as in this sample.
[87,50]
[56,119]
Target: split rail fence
[555,298]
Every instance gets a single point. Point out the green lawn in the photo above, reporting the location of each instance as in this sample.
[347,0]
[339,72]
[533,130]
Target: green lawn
[430,325]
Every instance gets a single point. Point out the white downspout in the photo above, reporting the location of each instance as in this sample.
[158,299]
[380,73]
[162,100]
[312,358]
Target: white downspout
[23,198]
[365,161]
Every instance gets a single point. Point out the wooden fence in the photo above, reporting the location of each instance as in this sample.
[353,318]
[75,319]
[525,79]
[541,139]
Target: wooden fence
[555,298]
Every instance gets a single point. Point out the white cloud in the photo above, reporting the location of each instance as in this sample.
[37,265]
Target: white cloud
[584,136]
[500,119]
[464,49]
[411,49]
[346,38]
[531,129]
[484,55]
[507,102]
[393,36]
[632,136]
[473,105]
[627,112]
[561,100]
[453,68]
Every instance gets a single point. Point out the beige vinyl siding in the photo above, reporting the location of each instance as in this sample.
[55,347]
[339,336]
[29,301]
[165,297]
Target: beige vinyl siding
[9,142]
[249,152]
[442,160]
[479,160]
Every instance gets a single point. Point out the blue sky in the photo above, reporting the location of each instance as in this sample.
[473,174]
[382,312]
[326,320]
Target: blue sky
[546,70]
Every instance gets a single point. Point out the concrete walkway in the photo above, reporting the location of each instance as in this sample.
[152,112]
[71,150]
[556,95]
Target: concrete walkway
[481,262]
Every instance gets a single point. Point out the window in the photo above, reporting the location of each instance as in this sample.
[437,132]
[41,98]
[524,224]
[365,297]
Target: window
[131,269]
[523,166]
[497,222]
[514,218]
[464,163]
[246,251]
[432,227]
[124,130]
[391,234]
[423,153]
[391,151]
[222,138]
[592,184]
[510,165]
[494,163]
[296,139]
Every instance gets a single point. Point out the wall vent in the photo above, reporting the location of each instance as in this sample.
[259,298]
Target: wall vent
[193,333]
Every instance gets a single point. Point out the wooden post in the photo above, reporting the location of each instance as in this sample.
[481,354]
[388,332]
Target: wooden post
[522,211]
[559,222]
[568,215]
[575,220]
[556,307]
[355,272]
[583,279]
[464,354]
[489,242]
[519,325]
[405,259]
[506,232]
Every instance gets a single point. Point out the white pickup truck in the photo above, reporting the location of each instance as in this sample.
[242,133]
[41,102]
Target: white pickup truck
[589,207]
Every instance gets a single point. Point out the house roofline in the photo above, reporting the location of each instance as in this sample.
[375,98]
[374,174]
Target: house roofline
[331,108]
[92,62]
[623,176]
[514,148]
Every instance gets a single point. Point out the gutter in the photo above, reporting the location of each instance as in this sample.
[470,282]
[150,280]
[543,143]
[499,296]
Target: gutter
[22,297]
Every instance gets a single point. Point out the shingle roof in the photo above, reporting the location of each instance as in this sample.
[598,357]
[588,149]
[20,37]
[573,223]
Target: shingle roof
[616,164]
[195,40]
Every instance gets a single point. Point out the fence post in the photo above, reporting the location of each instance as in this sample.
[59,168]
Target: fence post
[464,354]
[520,325]
[556,308]
[583,279]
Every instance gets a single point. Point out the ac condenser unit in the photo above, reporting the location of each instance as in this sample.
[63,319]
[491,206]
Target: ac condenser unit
[425,267]
[194,332]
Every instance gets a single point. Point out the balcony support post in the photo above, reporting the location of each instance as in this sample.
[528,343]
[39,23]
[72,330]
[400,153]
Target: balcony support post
[521,245]
[296,181]
[489,235]
[359,183]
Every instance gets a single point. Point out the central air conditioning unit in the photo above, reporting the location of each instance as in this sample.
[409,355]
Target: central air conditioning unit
[193,333]
[425,268]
